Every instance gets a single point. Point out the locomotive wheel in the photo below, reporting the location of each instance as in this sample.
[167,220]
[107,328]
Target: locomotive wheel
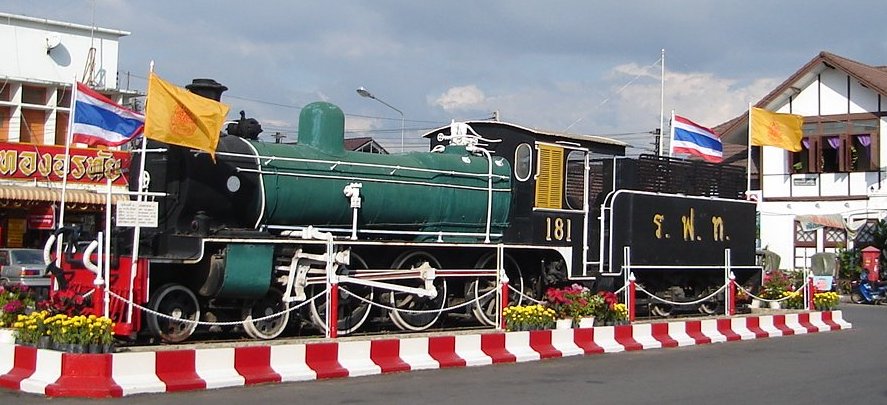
[486,309]
[353,312]
[661,309]
[270,328]
[177,302]
[708,308]
[416,321]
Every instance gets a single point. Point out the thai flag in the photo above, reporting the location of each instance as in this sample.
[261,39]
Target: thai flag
[100,121]
[694,139]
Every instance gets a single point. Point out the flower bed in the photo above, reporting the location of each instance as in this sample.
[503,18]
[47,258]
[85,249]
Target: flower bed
[826,301]
[528,317]
[573,302]
[62,322]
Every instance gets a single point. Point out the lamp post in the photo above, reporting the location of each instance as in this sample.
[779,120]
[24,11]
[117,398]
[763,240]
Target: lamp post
[366,93]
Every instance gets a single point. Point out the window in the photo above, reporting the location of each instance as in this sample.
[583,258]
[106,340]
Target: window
[523,155]
[63,98]
[575,186]
[5,113]
[865,236]
[832,146]
[834,237]
[33,122]
[550,177]
[33,95]
[61,128]
[804,238]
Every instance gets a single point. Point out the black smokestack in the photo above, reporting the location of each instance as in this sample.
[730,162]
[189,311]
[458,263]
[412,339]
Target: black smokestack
[208,88]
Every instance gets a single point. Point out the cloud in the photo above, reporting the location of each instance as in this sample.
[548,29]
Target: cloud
[705,97]
[461,98]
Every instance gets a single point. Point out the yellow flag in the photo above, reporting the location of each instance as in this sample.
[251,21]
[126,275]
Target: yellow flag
[775,129]
[177,116]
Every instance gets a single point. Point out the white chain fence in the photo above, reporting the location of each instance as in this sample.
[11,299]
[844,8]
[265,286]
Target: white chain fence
[204,323]
[295,307]
[536,301]
[525,296]
[663,300]
[418,311]
[741,288]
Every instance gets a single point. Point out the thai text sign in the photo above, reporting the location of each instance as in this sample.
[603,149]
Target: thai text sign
[23,161]
[137,213]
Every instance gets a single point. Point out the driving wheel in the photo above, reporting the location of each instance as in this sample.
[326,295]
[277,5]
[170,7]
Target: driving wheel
[353,307]
[412,312]
[179,311]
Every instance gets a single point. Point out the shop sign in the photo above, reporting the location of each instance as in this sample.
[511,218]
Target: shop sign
[42,218]
[23,161]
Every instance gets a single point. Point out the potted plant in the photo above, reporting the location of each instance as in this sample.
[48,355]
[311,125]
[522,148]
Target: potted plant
[15,300]
[793,299]
[775,283]
[573,303]
[826,301]
[606,314]
[31,329]
[619,313]
[528,317]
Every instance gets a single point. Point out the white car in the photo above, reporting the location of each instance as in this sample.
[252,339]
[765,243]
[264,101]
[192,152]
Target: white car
[23,266]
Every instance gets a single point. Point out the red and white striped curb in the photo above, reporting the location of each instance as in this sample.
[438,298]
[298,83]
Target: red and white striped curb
[53,373]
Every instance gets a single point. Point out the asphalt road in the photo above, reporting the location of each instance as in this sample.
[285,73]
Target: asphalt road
[817,368]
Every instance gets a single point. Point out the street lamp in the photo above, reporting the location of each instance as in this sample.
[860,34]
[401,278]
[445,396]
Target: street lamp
[366,93]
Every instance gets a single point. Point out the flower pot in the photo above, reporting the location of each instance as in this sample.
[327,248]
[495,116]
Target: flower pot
[7,336]
[756,303]
[44,342]
[94,348]
[563,324]
[586,322]
[76,348]
[775,305]
[108,348]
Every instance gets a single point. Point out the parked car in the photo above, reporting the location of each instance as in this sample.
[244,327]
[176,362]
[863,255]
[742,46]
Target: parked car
[23,266]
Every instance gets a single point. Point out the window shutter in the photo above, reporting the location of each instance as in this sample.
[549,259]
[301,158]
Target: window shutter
[550,177]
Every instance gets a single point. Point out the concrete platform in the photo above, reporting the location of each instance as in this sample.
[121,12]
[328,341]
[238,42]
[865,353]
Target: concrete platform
[197,367]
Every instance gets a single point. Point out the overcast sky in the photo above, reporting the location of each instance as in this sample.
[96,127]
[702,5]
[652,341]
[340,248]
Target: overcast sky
[583,66]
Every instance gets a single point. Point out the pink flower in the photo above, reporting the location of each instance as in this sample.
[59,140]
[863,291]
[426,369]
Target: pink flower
[12,307]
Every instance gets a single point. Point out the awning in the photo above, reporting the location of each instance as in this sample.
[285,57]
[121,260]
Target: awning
[72,196]
[811,222]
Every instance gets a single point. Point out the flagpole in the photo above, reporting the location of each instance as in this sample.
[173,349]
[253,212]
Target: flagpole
[66,167]
[662,105]
[671,136]
[748,156]
[133,266]
[66,164]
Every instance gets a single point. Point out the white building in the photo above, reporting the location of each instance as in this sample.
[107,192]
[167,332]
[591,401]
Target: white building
[39,61]
[831,193]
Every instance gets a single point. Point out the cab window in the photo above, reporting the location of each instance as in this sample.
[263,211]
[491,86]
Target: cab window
[523,155]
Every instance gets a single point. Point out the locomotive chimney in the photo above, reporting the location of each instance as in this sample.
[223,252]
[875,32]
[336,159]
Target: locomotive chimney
[208,88]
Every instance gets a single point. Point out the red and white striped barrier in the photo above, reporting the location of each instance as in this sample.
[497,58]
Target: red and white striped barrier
[57,374]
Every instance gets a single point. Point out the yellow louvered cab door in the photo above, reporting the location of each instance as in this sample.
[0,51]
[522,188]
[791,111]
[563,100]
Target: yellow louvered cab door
[550,177]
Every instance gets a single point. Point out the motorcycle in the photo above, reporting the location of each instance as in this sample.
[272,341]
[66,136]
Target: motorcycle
[864,291]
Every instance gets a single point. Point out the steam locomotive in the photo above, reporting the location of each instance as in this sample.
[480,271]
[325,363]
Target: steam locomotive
[413,238]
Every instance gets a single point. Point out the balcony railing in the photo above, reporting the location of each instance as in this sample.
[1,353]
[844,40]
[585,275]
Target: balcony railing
[813,185]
